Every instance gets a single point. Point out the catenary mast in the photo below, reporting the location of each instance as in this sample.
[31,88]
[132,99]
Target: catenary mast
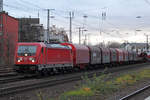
[1,5]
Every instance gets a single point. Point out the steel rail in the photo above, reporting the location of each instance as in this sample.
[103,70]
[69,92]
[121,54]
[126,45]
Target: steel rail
[131,95]
[8,74]
[14,78]
[44,83]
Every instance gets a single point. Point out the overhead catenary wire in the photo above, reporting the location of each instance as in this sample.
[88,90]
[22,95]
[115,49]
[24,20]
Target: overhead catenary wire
[76,22]
[19,8]
[147,1]
[37,6]
[27,11]
[32,4]
[60,13]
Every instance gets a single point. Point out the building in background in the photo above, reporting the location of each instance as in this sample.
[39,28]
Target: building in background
[8,38]
[30,30]
[138,47]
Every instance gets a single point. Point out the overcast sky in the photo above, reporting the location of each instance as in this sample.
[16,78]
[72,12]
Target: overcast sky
[120,24]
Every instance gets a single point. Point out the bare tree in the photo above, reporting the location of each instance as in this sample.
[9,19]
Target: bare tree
[100,45]
[114,45]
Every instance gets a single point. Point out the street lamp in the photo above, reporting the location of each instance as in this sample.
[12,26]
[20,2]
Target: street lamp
[138,17]
[84,20]
[85,39]
[137,30]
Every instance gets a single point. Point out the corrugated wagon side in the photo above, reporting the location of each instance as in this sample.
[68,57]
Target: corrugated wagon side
[80,55]
[105,55]
[95,55]
[113,56]
[119,56]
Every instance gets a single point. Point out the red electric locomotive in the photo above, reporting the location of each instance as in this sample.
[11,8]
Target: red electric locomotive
[42,57]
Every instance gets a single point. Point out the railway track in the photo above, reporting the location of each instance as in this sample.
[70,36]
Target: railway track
[10,79]
[6,69]
[16,78]
[134,95]
[8,74]
[51,81]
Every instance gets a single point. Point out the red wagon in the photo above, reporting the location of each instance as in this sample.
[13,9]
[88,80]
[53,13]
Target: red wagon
[105,52]
[119,56]
[80,54]
[113,56]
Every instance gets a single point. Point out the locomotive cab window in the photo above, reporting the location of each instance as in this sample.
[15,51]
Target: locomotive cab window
[27,50]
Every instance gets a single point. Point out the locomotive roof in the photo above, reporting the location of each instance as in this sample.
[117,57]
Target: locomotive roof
[76,46]
[45,44]
[57,46]
[30,43]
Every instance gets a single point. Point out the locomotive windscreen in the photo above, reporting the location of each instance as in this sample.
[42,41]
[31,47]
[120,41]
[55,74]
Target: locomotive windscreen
[27,50]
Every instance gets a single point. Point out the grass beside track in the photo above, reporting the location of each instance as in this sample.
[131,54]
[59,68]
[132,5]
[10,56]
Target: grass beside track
[104,84]
[49,82]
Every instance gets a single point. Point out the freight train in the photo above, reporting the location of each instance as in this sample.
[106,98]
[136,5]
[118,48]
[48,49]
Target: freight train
[47,58]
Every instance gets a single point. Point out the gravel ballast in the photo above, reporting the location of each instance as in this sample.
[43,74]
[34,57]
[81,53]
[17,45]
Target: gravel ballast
[52,93]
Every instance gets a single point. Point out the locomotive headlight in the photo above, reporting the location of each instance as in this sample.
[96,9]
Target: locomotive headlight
[33,61]
[19,59]
[31,58]
[25,54]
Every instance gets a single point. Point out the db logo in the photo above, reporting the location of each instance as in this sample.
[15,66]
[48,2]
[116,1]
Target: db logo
[25,58]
